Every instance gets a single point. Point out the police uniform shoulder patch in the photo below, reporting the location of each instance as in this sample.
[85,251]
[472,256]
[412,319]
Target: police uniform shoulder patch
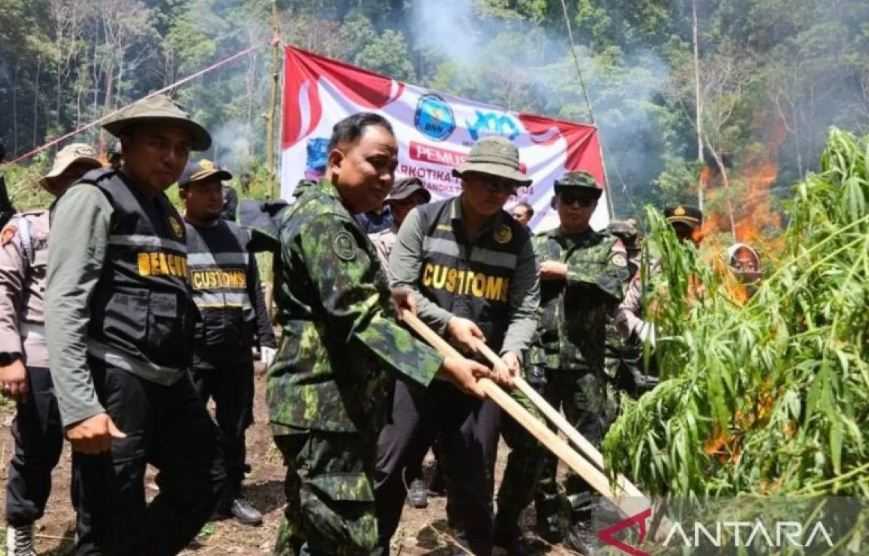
[503,234]
[344,246]
[7,234]
[177,227]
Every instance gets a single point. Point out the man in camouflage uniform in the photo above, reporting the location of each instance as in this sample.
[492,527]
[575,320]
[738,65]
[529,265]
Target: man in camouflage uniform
[581,274]
[24,375]
[341,349]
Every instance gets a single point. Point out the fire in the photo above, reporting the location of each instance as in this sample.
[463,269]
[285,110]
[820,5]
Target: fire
[755,220]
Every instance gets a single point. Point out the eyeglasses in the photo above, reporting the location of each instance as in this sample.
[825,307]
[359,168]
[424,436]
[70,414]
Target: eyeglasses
[580,200]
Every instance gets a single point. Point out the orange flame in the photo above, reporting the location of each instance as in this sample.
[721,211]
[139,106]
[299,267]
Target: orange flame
[755,219]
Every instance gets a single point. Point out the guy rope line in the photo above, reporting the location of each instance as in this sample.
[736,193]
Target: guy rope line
[100,120]
[609,197]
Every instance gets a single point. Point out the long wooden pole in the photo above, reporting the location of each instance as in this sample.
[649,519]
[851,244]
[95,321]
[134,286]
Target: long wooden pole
[628,504]
[587,448]
[273,101]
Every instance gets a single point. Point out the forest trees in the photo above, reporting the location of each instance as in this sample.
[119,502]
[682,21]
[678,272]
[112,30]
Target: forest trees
[801,66]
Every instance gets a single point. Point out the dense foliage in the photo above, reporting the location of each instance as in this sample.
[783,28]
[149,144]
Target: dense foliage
[768,396]
[774,74]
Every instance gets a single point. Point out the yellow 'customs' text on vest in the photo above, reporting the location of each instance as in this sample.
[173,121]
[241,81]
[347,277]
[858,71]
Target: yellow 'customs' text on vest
[159,263]
[218,279]
[466,282]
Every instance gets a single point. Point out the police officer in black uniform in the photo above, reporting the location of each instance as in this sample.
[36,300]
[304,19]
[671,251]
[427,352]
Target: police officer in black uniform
[119,316]
[225,282]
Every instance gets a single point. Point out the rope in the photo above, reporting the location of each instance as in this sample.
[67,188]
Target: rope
[98,121]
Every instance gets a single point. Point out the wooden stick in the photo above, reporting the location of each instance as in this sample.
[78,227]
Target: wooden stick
[628,505]
[586,448]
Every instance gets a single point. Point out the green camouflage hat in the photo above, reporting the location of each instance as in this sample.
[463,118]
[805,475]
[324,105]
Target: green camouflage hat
[578,181]
[158,108]
[495,156]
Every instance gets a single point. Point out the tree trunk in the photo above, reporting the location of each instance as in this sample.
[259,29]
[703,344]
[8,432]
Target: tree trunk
[36,100]
[721,168]
[698,99]
[15,108]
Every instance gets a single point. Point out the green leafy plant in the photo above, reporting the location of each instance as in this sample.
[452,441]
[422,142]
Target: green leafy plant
[770,396]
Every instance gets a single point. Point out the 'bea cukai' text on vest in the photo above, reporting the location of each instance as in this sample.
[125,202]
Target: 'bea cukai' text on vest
[141,310]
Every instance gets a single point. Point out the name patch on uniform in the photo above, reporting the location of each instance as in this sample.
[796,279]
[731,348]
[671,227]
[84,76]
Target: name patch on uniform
[159,263]
[466,282]
[218,279]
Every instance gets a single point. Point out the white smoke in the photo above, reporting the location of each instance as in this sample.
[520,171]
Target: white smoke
[232,146]
[447,28]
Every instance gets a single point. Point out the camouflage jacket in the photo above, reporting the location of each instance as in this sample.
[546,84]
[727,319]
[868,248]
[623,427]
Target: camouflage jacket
[341,347]
[573,312]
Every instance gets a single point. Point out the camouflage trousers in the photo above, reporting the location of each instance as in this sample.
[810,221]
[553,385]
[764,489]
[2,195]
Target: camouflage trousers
[330,495]
[582,395]
[524,463]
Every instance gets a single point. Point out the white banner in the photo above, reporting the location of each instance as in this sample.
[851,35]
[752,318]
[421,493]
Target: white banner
[435,132]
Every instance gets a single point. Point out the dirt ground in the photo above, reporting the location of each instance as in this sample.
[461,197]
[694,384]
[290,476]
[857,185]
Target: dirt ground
[422,531]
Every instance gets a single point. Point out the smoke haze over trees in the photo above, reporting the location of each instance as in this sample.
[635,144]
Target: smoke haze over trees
[774,74]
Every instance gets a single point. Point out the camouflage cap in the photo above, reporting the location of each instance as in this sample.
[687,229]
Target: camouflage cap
[202,170]
[683,214]
[158,108]
[406,187]
[494,156]
[74,153]
[580,181]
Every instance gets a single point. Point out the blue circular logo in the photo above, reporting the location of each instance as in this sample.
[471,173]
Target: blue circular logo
[434,118]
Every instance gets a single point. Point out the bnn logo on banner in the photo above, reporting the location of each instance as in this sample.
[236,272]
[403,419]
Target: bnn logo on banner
[740,526]
[435,132]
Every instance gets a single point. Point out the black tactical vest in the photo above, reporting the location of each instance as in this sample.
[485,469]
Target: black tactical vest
[470,280]
[141,310]
[218,260]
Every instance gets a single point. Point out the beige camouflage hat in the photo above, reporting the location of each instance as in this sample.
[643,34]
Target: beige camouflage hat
[495,156]
[71,154]
[158,108]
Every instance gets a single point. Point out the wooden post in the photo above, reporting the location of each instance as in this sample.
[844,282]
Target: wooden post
[273,100]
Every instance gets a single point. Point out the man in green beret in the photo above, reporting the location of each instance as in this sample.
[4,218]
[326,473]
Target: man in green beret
[119,320]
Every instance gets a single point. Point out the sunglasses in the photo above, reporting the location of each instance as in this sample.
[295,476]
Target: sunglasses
[580,200]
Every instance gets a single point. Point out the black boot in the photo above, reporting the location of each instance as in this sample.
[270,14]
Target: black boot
[508,536]
[243,511]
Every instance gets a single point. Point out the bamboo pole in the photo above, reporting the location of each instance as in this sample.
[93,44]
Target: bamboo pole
[629,505]
[587,448]
[273,100]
